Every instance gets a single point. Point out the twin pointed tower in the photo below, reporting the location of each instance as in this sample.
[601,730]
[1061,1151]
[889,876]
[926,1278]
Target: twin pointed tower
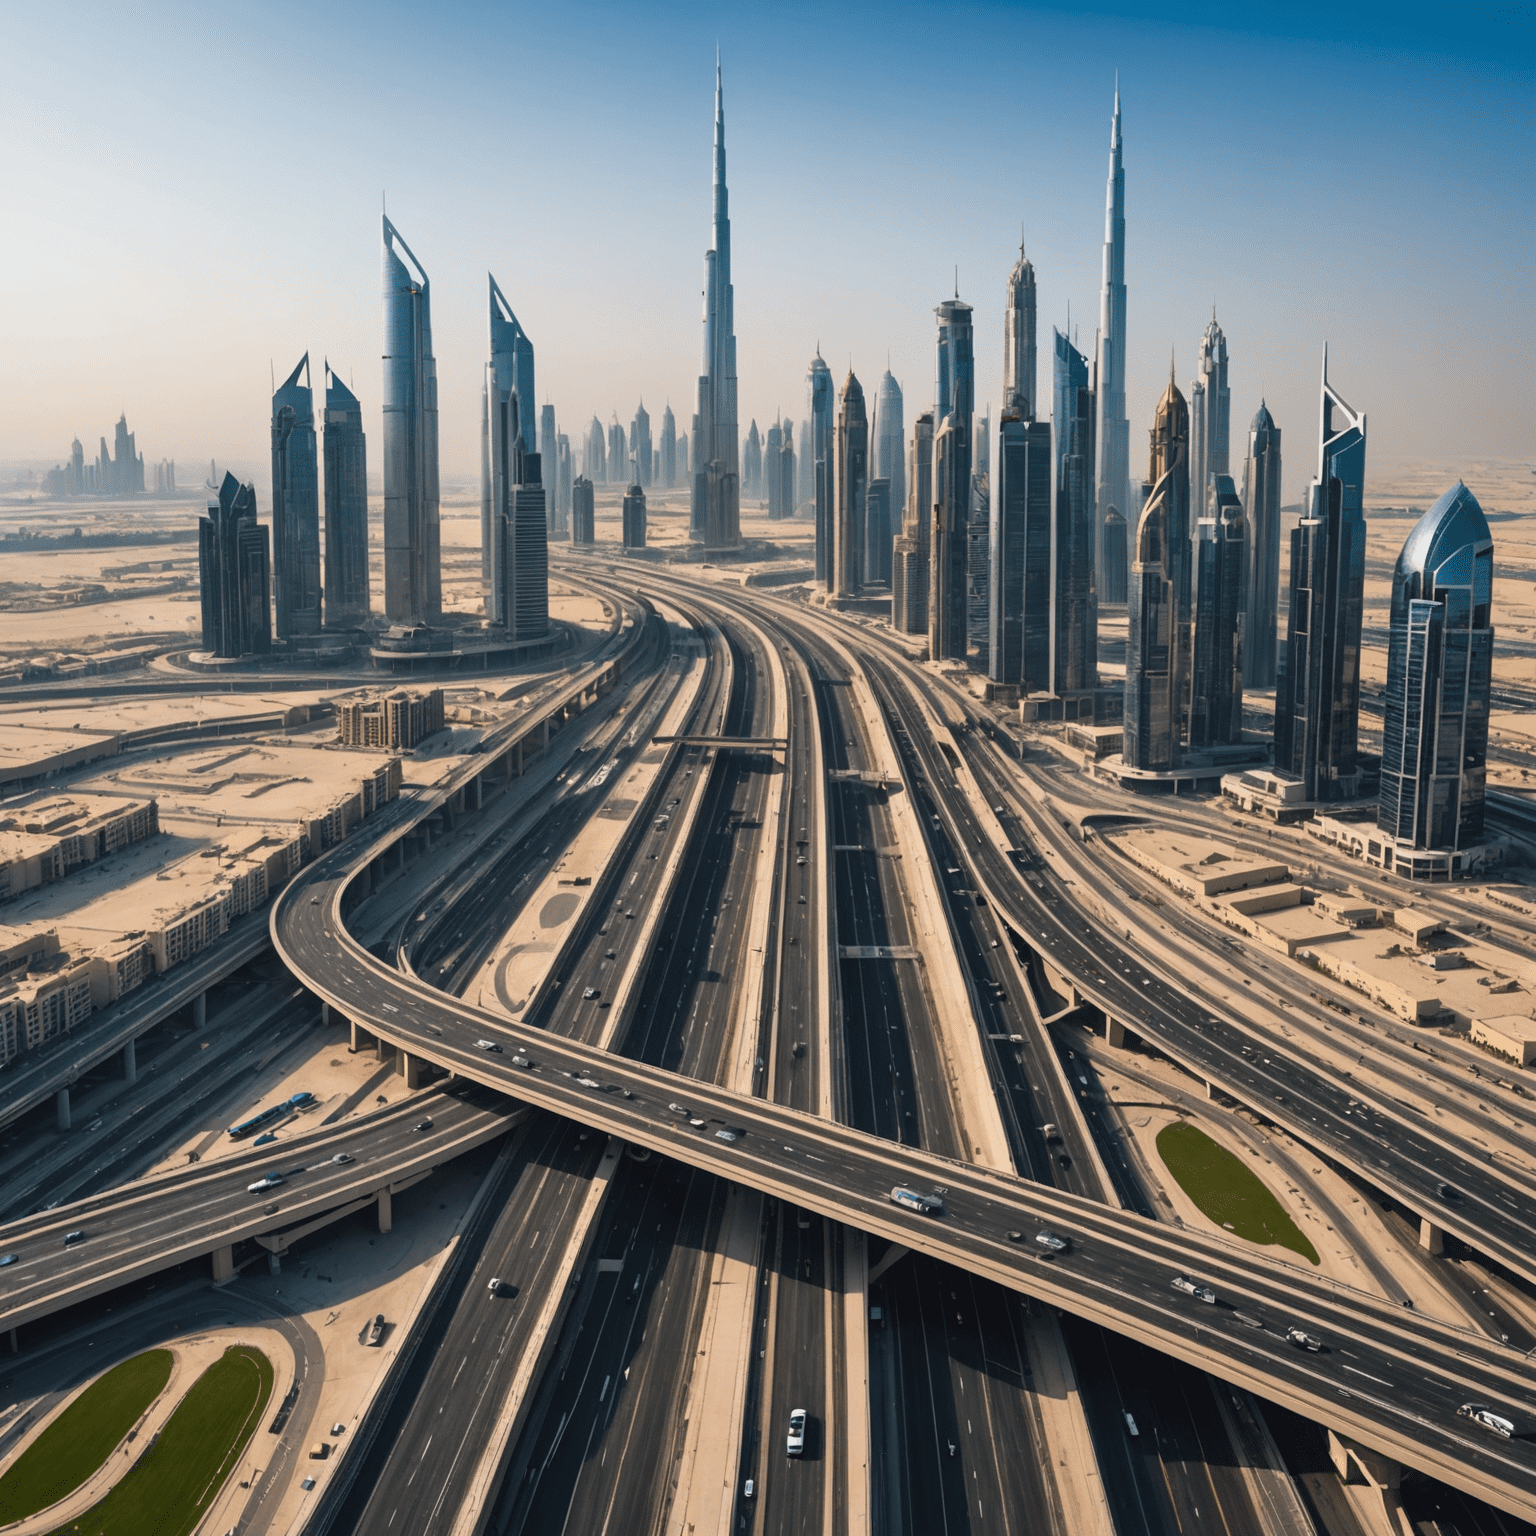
[716,502]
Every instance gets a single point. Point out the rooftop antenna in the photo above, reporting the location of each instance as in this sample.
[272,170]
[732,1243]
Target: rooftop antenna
[957,280]
[272,374]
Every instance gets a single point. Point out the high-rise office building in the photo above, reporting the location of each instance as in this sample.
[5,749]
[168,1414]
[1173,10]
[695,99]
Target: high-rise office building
[634,517]
[978,542]
[889,446]
[640,445]
[594,463]
[770,456]
[234,575]
[1019,595]
[1210,417]
[684,460]
[518,599]
[1261,501]
[781,489]
[549,457]
[1112,579]
[346,507]
[120,473]
[817,446]
[877,532]
[1113,435]
[1019,357]
[1439,680]
[583,509]
[562,484]
[618,453]
[1219,570]
[752,464]
[1317,690]
[852,489]
[509,375]
[1152,672]
[295,507]
[909,556]
[1075,667]
[949,576]
[413,591]
[667,449]
[715,512]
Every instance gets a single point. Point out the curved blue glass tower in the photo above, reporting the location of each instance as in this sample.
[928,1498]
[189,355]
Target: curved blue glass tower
[1439,677]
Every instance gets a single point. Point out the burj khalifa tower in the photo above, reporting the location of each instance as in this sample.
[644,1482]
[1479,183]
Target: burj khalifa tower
[716,504]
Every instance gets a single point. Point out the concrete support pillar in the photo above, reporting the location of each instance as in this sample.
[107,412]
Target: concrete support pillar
[1431,1237]
[362,1038]
[61,1108]
[325,1013]
[223,1263]
[412,1069]
[544,732]
[274,1264]
[386,1210]
[400,855]
[1356,1463]
[1114,1032]
[472,794]
[131,1062]
[199,1010]
[364,886]
[15,1341]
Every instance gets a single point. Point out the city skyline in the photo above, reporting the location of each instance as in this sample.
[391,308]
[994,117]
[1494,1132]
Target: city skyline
[319,300]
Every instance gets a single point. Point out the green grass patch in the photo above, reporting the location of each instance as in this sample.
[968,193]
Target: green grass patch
[172,1484]
[71,1448]
[1227,1190]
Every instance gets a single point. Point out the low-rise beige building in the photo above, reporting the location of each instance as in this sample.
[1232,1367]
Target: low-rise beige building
[1196,866]
[49,837]
[1509,1034]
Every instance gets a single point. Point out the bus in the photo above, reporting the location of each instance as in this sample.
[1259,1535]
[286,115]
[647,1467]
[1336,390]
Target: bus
[269,1116]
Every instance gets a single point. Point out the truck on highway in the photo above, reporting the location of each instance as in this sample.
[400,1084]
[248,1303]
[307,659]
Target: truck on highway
[269,1116]
[928,1205]
[1481,1413]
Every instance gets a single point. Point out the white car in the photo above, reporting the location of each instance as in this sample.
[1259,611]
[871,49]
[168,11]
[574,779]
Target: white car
[794,1445]
[270,1181]
[1052,1243]
[928,1205]
[342,1159]
[1194,1288]
[487,1045]
[1481,1413]
[1303,1340]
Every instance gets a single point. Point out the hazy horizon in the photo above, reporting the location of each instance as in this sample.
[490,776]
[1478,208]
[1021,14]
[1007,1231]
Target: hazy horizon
[198,204]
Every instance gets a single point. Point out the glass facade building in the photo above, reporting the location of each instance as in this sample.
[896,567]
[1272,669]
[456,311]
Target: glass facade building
[295,507]
[347,593]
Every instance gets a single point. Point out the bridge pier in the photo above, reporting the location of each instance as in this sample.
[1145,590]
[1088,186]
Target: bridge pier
[543,733]
[61,1109]
[473,787]
[223,1263]
[1431,1236]
[131,1062]
[362,1038]
[1114,1032]
[15,1338]
[199,1010]
[413,1069]
[386,1210]
[1356,1463]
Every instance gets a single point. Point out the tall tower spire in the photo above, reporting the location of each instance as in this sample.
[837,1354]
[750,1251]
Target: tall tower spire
[1113,481]
[715,511]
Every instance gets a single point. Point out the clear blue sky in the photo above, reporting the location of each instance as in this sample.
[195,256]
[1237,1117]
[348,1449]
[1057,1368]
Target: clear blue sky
[194,194]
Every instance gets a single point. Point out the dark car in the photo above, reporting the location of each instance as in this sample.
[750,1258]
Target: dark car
[423,1125]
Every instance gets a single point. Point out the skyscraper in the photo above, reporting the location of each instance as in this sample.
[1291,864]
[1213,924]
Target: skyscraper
[1210,417]
[1112,579]
[852,489]
[618,453]
[1261,500]
[1076,666]
[978,542]
[346,507]
[1019,595]
[1113,436]
[582,511]
[715,514]
[594,455]
[519,594]
[818,447]
[562,484]
[413,592]
[769,455]
[1019,361]
[549,457]
[667,448]
[634,517]
[1439,679]
[955,392]
[877,532]
[1317,690]
[909,557]
[752,464]
[1219,568]
[890,446]
[295,507]
[234,574]
[781,489]
[640,445]
[509,375]
[1152,701]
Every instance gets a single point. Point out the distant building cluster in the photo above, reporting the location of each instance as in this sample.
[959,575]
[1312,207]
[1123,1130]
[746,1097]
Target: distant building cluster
[117,471]
[396,721]
[50,837]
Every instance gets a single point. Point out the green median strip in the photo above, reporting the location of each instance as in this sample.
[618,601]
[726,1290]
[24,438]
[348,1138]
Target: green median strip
[174,1481]
[1227,1190]
[71,1448]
